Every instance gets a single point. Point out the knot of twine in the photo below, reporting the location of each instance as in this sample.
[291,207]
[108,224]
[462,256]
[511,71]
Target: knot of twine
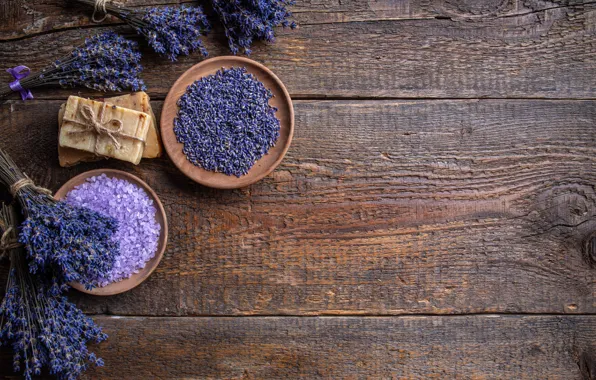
[7,244]
[100,7]
[24,182]
[95,123]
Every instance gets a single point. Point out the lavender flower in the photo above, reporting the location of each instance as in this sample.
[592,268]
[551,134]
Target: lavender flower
[170,31]
[43,328]
[72,243]
[225,122]
[249,20]
[105,62]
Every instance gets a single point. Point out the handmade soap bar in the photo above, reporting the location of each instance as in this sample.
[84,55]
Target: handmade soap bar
[138,101]
[104,129]
[70,156]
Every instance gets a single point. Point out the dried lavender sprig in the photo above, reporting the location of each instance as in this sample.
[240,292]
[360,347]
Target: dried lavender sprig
[73,243]
[43,328]
[171,31]
[105,62]
[246,21]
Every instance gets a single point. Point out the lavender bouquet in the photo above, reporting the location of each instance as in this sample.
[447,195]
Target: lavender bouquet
[105,62]
[170,31]
[43,328]
[248,20]
[70,243]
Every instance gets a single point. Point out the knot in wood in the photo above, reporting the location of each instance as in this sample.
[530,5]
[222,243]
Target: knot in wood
[589,249]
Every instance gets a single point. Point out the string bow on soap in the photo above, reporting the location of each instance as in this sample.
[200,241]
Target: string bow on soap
[18,73]
[94,123]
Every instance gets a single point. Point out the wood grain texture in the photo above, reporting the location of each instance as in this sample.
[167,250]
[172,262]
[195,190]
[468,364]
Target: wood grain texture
[504,51]
[466,347]
[380,207]
[26,18]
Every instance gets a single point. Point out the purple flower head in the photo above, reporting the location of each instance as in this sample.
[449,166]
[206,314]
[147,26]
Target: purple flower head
[44,329]
[171,31]
[41,326]
[248,20]
[66,242]
[74,243]
[105,62]
[175,30]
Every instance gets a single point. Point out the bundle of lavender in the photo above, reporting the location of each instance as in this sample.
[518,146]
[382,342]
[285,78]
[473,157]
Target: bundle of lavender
[105,62]
[43,328]
[170,31]
[246,21]
[67,242]
[178,30]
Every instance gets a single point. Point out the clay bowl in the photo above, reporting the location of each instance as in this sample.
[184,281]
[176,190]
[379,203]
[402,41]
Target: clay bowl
[264,166]
[137,278]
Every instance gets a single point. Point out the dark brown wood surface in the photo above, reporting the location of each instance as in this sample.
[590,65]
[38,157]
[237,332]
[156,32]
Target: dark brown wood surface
[466,50]
[432,347]
[434,218]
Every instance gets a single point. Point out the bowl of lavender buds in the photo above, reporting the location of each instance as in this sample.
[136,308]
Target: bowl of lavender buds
[227,122]
[142,230]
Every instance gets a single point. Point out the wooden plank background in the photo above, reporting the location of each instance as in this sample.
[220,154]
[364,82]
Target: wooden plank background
[487,346]
[432,219]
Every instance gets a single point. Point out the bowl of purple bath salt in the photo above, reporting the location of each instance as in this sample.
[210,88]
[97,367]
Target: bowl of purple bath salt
[142,225]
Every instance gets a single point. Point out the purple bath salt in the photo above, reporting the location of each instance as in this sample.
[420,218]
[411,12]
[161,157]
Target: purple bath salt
[138,231]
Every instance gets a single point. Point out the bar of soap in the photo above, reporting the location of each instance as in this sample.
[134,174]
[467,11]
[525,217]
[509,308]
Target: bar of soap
[138,101]
[69,156]
[75,134]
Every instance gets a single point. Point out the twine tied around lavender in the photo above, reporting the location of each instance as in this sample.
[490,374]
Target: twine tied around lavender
[7,243]
[18,73]
[99,7]
[24,182]
[95,123]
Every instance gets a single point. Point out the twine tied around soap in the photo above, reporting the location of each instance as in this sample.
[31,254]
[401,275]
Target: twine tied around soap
[95,123]
[24,182]
[99,7]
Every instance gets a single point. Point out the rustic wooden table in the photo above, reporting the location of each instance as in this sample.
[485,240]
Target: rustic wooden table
[433,218]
